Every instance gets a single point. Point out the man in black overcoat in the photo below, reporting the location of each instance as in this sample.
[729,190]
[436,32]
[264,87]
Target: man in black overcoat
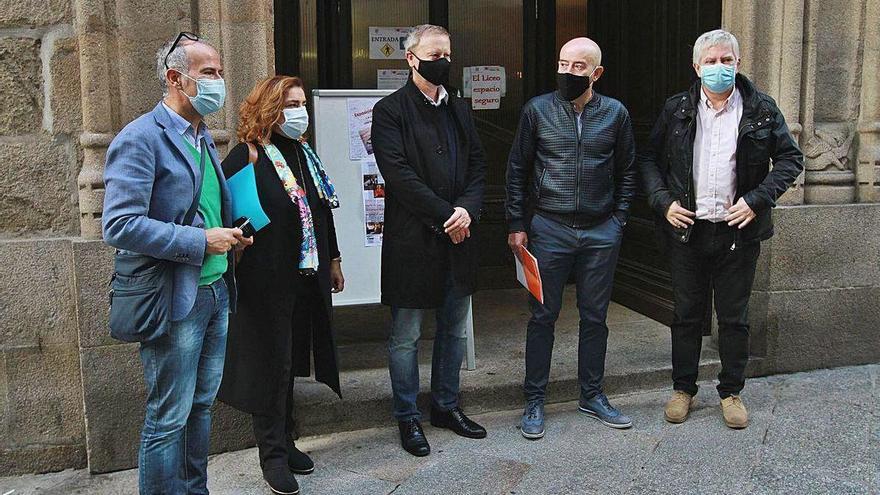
[427,149]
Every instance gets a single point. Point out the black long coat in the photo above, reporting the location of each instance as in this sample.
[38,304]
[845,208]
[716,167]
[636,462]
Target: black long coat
[422,187]
[265,338]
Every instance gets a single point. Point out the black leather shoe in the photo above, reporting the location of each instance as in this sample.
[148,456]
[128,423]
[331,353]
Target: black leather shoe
[412,438]
[455,420]
[298,461]
[281,480]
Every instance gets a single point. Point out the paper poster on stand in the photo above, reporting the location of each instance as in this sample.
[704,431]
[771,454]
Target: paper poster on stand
[360,118]
[391,78]
[486,87]
[386,43]
[374,203]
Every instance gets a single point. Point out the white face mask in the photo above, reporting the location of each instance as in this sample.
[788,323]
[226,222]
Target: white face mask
[296,121]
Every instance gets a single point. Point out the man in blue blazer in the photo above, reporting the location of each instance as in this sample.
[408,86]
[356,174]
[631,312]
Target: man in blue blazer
[157,167]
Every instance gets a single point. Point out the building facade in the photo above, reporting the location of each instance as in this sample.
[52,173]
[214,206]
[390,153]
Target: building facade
[72,73]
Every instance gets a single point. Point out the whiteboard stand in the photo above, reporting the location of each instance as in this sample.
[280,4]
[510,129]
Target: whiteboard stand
[363,267]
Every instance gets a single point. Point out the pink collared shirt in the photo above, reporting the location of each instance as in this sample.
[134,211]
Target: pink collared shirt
[715,156]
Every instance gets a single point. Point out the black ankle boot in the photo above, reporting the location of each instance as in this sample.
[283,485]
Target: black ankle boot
[298,461]
[281,480]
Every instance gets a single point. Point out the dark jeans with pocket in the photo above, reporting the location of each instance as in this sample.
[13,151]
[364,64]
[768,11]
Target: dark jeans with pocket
[707,262]
[591,254]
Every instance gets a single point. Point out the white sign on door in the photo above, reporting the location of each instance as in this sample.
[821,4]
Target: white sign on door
[386,43]
[486,85]
[467,78]
[391,78]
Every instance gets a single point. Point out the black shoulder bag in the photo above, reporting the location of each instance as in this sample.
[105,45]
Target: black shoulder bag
[141,290]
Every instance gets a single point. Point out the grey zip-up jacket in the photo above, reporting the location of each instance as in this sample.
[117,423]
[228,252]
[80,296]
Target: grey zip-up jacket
[580,180]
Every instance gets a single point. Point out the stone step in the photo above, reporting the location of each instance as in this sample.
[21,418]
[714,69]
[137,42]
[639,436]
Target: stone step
[367,401]
[638,358]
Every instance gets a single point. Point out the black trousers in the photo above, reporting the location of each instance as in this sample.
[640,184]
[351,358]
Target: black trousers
[707,262]
[274,429]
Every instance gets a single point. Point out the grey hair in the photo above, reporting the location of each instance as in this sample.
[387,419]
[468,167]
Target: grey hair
[715,38]
[415,36]
[178,59]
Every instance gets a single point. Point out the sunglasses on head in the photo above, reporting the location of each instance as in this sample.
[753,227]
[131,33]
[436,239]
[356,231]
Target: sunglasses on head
[182,35]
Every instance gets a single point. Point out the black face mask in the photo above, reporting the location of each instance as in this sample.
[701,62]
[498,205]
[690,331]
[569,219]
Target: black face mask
[435,72]
[571,86]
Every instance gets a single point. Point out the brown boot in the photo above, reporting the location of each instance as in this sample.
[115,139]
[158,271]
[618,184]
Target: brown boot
[679,406]
[734,412]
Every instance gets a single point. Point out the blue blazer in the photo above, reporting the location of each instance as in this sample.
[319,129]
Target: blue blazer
[150,181]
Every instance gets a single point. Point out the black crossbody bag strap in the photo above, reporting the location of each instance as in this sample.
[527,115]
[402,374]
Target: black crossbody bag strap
[191,213]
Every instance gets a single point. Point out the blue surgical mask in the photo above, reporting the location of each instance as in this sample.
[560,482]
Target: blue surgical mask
[718,78]
[296,121]
[210,97]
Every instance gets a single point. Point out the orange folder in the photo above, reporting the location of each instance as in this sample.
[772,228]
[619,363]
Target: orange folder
[528,275]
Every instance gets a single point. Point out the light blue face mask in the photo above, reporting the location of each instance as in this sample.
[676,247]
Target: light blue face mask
[210,97]
[296,121]
[718,78]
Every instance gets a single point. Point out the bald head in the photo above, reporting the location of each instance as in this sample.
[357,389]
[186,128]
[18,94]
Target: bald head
[582,50]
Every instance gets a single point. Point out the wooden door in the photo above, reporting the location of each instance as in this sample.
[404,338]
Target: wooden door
[647,51]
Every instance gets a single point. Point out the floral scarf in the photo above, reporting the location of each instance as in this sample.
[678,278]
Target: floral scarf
[308,256]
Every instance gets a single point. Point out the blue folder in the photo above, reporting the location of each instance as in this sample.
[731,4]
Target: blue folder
[245,201]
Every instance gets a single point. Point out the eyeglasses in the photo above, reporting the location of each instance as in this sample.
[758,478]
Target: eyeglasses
[183,34]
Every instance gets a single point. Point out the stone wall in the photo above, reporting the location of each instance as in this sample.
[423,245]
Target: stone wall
[41,415]
[72,73]
[814,300]
[821,287]
[818,58]
[39,119]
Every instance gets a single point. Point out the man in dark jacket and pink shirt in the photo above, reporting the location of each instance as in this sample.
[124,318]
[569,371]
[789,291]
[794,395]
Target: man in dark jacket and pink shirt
[707,175]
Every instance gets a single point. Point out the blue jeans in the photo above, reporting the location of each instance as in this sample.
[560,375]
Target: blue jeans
[182,371]
[590,253]
[449,347]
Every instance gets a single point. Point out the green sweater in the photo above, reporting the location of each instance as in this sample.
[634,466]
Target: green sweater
[214,265]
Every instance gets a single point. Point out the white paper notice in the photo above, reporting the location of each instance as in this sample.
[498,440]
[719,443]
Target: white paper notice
[486,88]
[374,203]
[391,78]
[360,118]
[467,78]
[386,43]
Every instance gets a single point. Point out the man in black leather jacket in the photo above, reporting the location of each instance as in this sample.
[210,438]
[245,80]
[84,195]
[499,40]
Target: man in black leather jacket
[571,165]
[707,173]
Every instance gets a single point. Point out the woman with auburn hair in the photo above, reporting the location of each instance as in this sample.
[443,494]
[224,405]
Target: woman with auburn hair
[284,279]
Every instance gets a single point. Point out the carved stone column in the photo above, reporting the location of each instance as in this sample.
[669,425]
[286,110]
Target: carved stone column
[868,166]
[243,32]
[771,37]
[95,53]
[832,77]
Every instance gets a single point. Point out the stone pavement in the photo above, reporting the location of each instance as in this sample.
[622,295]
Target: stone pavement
[810,433]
